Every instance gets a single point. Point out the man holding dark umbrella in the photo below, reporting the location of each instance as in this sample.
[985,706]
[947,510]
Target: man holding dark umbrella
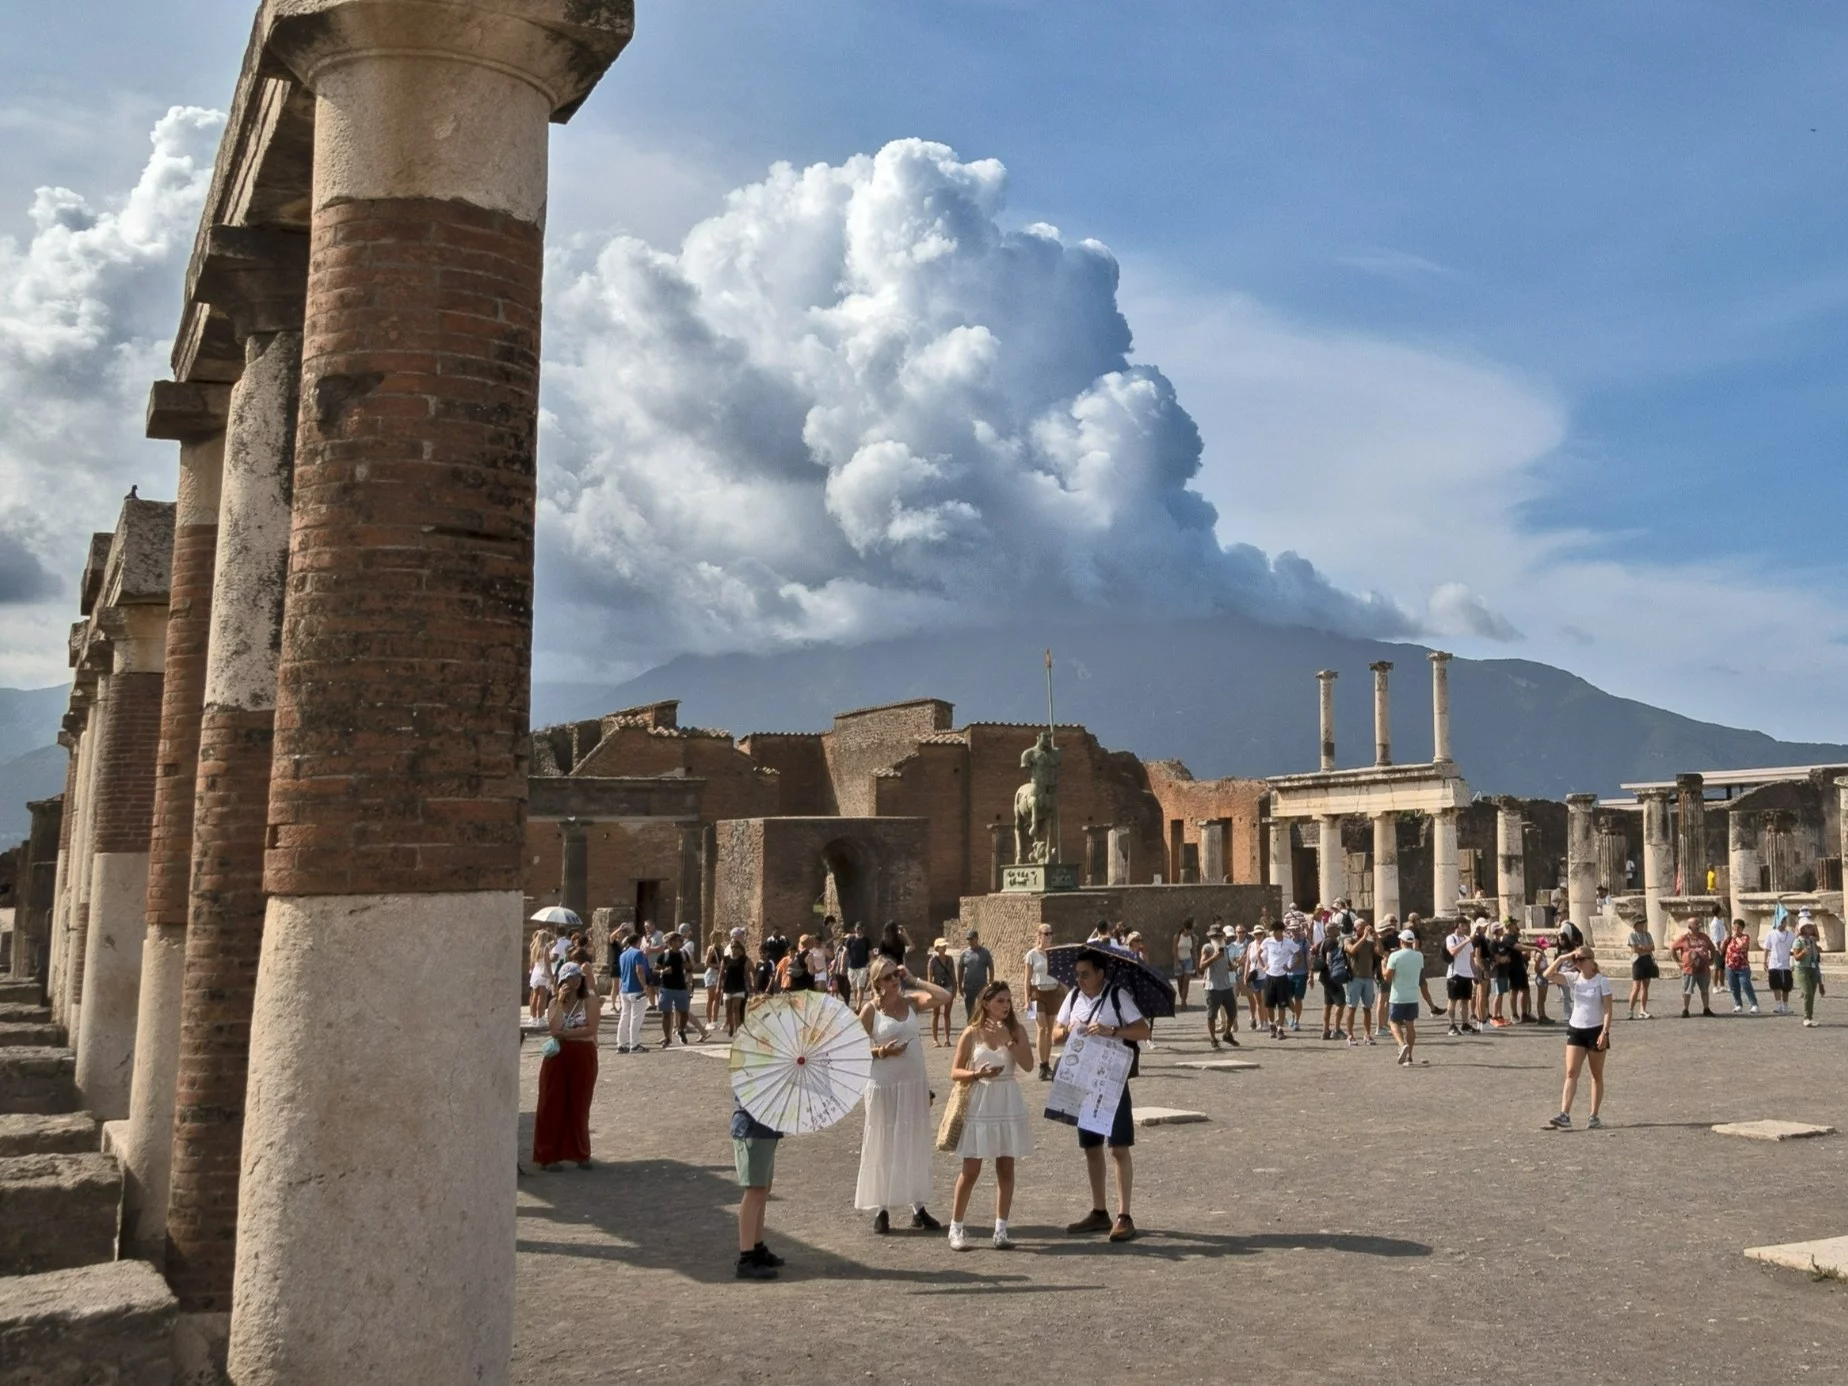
[1095,1007]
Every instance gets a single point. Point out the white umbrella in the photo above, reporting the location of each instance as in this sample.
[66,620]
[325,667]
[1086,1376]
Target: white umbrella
[800,1062]
[555,914]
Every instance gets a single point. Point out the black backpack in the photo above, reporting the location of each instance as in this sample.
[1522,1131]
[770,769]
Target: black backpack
[1335,961]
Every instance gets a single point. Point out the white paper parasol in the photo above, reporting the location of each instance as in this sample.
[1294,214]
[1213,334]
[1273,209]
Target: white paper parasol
[800,1062]
[555,914]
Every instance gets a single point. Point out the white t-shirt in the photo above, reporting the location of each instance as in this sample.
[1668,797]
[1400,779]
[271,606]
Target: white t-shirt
[1277,954]
[561,949]
[1588,995]
[1036,963]
[1462,961]
[1079,1010]
[1778,944]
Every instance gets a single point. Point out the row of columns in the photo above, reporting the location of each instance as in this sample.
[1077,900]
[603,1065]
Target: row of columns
[1331,865]
[288,885]
[1382,711]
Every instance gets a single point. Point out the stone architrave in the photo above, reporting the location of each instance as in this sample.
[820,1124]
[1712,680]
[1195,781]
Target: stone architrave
[1385,866]
[1658,860]
[401,715]
[1581,859]
[1510,860]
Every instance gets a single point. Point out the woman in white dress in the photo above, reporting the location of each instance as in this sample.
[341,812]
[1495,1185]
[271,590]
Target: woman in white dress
[996,1126]
[895,1151]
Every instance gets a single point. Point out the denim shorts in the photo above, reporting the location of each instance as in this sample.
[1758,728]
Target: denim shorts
[1299,985]
[667,1000]
[1363,992]
[1401,1011]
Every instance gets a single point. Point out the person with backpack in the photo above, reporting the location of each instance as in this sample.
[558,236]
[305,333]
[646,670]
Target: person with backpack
[1362,951]
[1335,972]
[1097,1008]
[1219,962]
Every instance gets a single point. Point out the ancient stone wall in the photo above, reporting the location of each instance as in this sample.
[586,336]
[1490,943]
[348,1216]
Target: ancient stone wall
[868,740]
[801,765]
[1191,802]
[932,783]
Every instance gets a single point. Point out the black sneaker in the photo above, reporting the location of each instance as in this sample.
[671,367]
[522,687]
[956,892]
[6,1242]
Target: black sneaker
[764,1256]
[882,1223]
[751,1269]
[1097,1220]
[1045,1073]
[1234,1043]
[922,1221]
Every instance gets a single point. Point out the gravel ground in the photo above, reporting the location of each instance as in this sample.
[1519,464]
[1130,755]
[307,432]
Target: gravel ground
[1337,1214]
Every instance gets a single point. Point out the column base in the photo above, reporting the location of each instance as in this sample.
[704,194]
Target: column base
[375,1237]
[199,1343]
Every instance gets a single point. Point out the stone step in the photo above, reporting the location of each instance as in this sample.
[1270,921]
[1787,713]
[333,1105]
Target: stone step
[40,1033]
[73,1133]
[23,1012]
[58,1211]
[38,1079]
[27,992]
[106,1323]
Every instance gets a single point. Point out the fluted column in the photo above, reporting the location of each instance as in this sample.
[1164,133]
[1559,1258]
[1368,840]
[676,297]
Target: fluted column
[1691,823]
[1581,858]
[398,806]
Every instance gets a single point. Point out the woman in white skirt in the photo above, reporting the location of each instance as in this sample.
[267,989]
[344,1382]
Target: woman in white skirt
[895,1151]
[539,973]
[996,1126]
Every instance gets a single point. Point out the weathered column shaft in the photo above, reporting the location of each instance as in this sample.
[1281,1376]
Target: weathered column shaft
[1440,705]
[77,914]
[1213,835]
[574,880]
[1325,680]
[1000,852]
[1511,861]
[62,903]
[1330,863]
[1658,858]
[1581,859]
[1382,713]
[1741,857]
[1119,856]
[1096,854]
[147,1148]
[123,823]
[1444,879]
[691,873]
[225,906]
[397,808]
[1385,865]
[1691,823]
[1282,858]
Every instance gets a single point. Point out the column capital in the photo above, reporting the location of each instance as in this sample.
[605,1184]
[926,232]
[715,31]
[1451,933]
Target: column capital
[1582,802]
[256,277]
[185,411]
[1381,666]
[1655,794]
[1440,657]
[1327,675]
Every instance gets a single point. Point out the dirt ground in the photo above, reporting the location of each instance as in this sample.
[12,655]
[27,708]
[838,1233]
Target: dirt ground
[1336,1215]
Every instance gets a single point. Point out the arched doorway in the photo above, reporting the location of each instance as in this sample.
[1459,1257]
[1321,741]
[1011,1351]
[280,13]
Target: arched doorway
[850,884]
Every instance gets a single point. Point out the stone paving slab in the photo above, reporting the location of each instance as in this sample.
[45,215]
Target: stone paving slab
[104,1323]
[1771,1130]
[1167,1116]
[1826,1257]
[1217,1065]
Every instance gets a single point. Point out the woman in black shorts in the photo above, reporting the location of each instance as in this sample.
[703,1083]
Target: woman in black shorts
[1643,971]
[1588,1029]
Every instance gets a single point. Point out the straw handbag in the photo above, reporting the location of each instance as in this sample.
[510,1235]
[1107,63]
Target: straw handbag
[950,1131]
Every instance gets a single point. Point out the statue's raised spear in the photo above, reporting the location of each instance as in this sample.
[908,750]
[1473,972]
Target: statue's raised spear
[1052,731]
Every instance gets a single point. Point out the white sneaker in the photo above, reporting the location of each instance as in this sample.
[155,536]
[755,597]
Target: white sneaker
[1645,1015]
[1003,1242]
[1738,1010]
[1779,1011]
[1809,1025]
[959,1240]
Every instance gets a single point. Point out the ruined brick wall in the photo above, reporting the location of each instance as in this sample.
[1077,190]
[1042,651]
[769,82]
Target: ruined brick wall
[775,870]
[933,783]
[401,720]
[801,765]
[1191,801]
[868,740]
[618,855]
[1095,786]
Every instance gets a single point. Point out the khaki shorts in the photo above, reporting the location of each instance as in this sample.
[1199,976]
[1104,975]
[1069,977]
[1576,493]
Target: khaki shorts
[1048,999]
[756,1161]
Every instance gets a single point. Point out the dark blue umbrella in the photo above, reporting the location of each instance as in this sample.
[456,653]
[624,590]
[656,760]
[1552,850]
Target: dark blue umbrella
[1152,993]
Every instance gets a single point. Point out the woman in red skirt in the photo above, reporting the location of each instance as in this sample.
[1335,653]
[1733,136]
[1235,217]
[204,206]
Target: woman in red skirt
[567,1078]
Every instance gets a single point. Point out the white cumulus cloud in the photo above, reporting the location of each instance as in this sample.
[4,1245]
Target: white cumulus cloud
[854,404]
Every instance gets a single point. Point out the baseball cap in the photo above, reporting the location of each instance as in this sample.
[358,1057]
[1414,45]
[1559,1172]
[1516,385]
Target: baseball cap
[1407,936]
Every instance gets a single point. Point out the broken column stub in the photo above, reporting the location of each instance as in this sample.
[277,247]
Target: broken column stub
[397,801]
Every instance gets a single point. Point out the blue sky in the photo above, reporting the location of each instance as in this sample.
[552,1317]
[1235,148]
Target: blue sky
[1548,301]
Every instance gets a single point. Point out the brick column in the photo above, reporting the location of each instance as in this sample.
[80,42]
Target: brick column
[147,1146]
[122,823]
[397,802]
[225,905]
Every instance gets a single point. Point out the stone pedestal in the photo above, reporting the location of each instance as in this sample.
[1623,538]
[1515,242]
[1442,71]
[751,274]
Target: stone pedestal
[1040,878]
[1581,858]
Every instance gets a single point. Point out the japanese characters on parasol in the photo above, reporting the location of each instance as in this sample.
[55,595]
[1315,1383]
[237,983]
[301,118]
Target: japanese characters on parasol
[555,914]
[800,1062]
[1152,993]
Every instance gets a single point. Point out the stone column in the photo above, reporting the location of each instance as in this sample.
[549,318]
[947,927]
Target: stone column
[1510,860]
[1119,856]
[123,821]
[574,882]
[1658,859]
[1096,854]
[1613,856]
[1581,859]
[1841,810]
[692,873]
[1741,857]
[265,278]
[708,877]
[1325,678]
[1440,706]
[1444,878]
[1691,821]
[147,1146]
[39,878]
[77,915]
[398,803]
[1385,865]
[1382,713]
[1330,863]
[1282,858]
[1213,835]
[1000,852]
[51,988]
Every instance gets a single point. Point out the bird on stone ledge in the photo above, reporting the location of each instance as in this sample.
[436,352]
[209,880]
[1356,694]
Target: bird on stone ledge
[132,490]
